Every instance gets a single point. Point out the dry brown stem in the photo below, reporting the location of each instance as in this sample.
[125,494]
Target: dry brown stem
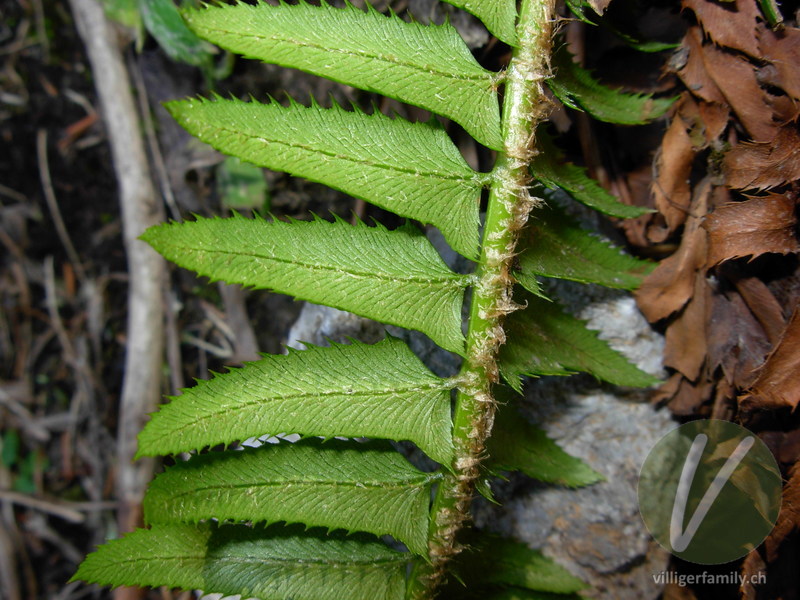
[140,209]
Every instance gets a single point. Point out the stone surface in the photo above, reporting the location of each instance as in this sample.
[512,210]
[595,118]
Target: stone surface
[317,324]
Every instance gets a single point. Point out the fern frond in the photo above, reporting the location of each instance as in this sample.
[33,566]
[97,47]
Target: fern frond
[508,593]
[550,169]
[163,21]
[380,391]
[554,245]
[429,66]
[499,16]
[272,563]
[335,484]
[544,340]
[411,169]
[517,445]
[578,89]
[514,564]
[392,276]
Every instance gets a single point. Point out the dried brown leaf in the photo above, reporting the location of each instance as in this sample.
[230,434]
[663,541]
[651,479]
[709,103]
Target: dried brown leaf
[785,109]
[763,305]
[782,49]
[753,567]
[789,449]
[785,446]
[751,228]
[724,404]
[763,165]
[674,591]
[670,286]
[723,77]
[681,396]
[686,344]
[639,184]
[671,190]
[693,73]
[789,517]
[714,118]
[777,384]
[689,397]
[730,24]
[738,350]
[736,78]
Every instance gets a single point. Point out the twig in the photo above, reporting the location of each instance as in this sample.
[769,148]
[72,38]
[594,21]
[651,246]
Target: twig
[9,582]
[173,343]
[81,101]
[52,203]
[75,356]
[152,143]
[11,246]
[21,40]
[55,317]
[11,193]
[140,209]
[41,29]
[245,345]
[27,422]
[47,506]
[224,351]
[37,525]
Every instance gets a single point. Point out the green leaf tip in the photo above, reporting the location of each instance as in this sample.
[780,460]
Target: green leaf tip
[425,65]
[340,485]
[497,592]
[513,564]
[163,21]
[551,170]
[554,245]
[411,169]
[545,340]
[516,445]
[580,8]
[396,276]
[381,391]
[272,563]
[578,89]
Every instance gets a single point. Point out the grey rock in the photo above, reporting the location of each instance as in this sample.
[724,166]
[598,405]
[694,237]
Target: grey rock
[319,324]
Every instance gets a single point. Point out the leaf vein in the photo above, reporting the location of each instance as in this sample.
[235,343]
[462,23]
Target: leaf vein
[448,281]
[422,68]
[476,178]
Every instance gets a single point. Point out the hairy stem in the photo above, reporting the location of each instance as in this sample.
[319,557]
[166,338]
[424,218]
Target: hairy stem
[524,108]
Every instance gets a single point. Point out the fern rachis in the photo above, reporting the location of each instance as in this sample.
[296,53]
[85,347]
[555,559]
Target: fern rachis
[202,511]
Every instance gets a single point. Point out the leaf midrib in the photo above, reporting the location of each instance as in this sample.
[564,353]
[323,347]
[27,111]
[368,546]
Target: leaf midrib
[447,281]
[418,482]
[257,402]
[267,561]
[475,177]
[576,254]
[578,350]
[425,69]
